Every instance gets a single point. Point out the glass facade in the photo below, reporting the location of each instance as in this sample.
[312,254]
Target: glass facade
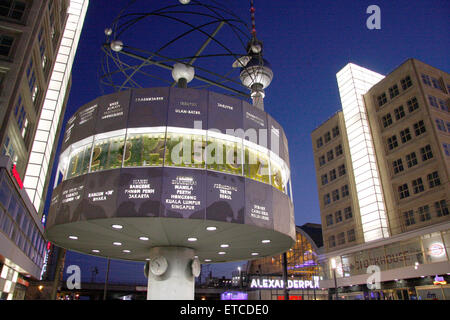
[175,147]
[17,225]
[425,249]
[302,261]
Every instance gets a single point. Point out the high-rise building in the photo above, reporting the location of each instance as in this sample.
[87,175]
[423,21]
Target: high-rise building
[383,166]
[38,41]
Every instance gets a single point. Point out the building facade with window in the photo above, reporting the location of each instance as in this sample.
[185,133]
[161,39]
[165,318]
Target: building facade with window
[38,41]
[302,265]
[395,137]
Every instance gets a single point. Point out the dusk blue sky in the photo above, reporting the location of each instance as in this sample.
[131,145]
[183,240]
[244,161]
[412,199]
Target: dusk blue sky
[307,43]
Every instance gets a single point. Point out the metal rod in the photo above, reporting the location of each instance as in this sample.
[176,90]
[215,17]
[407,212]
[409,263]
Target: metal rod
[285,276]
[168,67]
[335,284]
[205,44]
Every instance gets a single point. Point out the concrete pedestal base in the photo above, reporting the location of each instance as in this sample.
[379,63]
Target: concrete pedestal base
[177,283]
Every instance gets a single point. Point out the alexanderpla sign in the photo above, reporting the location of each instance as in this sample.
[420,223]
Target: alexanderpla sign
[268,283]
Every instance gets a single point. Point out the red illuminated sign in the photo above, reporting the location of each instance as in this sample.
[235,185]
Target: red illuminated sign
[17,176]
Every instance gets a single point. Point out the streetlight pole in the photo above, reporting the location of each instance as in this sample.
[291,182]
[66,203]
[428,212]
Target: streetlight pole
[240,279]
[285,277]
[333,266]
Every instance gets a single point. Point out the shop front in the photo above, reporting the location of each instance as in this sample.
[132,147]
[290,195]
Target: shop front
[410,267]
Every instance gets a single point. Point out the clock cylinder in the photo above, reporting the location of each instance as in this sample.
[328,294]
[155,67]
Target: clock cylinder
[177,283]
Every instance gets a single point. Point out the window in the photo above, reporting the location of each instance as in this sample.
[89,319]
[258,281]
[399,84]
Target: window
[381,99]
[440,124]
[335,195]
[417,185]
[426,80]
[387,120]
[341,238]
[413,104]
[21,117]
[338,150]
[329,219]
[319,142]
[411,159]
[433,101]
[348,213]
[443,105]
[446,149]
[433,179]
[344,191]
[332,174]
[9,150]
[335,132]
[332,241]
[392,142]
[419,128]
[341,170]
[424,213]
[409,217]
[326,199]
[338,216]
[403,191]
[321,160]
[12,9]
[32,81]
[441,208]
[426,153]
[405,135]
[351,235]
[393,91]
[397,165]
[330,155]
[399,113]
[324,179]
[6,43]
[327,137]
[42,46]
[406,82]
[436,83]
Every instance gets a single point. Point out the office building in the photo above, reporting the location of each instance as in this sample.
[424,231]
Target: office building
[38,41]
[382,166]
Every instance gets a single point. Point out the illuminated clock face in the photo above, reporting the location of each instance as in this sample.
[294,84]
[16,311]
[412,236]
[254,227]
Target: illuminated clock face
[158,265]
[196,268]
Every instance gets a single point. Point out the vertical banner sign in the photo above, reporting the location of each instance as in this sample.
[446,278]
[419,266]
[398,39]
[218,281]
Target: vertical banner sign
[225,197]
[113,112]
[139,193]
[72,198]
[148,108]
[187,106]
[100,198]
[183,193]
[258,204]
[85,122]
[224,113]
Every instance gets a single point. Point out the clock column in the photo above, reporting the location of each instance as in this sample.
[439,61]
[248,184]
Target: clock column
[174,282]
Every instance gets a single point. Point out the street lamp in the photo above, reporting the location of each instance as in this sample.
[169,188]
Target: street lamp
[333,266]
[240,282]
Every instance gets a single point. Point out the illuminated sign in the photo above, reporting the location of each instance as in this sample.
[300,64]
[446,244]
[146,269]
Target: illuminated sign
[17,176]
[267,283]
[228,295]
[354,81]
[439,280]
[436,249]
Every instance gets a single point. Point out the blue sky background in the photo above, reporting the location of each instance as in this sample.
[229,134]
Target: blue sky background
[307,43]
